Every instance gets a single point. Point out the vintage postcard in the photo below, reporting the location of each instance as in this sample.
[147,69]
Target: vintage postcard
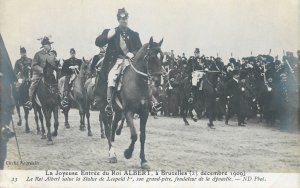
[126,93]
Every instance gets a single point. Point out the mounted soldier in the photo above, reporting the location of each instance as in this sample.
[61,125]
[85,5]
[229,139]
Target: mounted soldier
[123,44]
[97,62]
[70,67]
[22,63]
[38,64]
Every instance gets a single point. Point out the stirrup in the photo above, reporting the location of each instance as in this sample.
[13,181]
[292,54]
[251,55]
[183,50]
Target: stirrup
[28,105]
[65,102]
[109,110]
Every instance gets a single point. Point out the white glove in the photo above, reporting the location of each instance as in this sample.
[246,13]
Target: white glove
[111,33]
[130,55]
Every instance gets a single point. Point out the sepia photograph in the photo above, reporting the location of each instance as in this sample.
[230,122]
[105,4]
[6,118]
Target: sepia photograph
[165,93]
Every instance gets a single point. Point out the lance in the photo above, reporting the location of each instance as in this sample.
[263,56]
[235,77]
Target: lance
[270,51]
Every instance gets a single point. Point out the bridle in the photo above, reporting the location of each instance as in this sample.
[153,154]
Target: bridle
[149,75]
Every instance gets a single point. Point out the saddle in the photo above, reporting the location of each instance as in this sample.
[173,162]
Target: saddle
[120,77]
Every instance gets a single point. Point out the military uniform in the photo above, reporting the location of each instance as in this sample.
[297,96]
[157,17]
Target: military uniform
[22,63]
[123,42]
[38,64]
[96,62]
[41,58]
[66,71]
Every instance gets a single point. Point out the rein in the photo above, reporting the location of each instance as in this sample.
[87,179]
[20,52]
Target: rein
[148,75]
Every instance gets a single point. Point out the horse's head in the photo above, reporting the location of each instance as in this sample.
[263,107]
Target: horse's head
[48,72]
[154,60]
[85,67]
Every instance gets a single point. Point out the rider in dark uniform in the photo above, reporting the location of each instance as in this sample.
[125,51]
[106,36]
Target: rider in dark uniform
[68,69]
[123,44]
[22,63]
[97,62]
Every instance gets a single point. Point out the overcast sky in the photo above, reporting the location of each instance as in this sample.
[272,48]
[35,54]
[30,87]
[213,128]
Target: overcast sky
[214,26]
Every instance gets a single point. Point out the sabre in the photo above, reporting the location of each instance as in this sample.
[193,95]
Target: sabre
[13,125]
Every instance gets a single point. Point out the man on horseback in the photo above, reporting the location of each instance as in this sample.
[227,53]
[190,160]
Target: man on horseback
[123,44]
[71,66]
[39,62]
[22,63]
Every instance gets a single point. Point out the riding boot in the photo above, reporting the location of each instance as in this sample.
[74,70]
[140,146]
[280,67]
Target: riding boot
[108,108]
[65,102]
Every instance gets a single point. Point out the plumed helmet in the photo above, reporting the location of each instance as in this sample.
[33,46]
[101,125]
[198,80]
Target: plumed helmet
[22,50]
[122,13]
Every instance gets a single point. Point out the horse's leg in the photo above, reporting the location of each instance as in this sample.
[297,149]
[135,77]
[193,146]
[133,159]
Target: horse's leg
[66,114]
[107,125]
[47,114]
[143,121]
[19,113]
[26,112]
[39,109]
[36,118]
[116,120]
[184,111]
[81,114]
[120,127]
[210,111]
[129,150]
[87,112]
[101,126]
[55,116]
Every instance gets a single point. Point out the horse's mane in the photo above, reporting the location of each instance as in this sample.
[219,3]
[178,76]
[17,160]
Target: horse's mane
[141,52]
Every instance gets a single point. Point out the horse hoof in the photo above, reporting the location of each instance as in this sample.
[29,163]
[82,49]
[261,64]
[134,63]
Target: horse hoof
[27,131]
[118,132]
[186,123]
[90,133]
[113,160]
[44,136]
[127,154]
[210,125]
[67,125]
[54,133]
[145,166]
[112,155]
[38,132]
[103,135]
[82,127]
[19,123]
[50,142]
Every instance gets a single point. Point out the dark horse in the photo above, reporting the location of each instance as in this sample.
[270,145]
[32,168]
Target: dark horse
[21,95]
[89,96]
[135,97]
[210,81]
[48,98]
